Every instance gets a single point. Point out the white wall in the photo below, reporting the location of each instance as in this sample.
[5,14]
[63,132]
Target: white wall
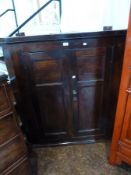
[7,22]
[45,22]
[82,15]
[25,9]
[77,16]
[92,15]
[120,13]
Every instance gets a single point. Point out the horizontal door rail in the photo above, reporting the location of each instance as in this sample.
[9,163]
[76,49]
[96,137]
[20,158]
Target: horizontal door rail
[8,10]
[32,16]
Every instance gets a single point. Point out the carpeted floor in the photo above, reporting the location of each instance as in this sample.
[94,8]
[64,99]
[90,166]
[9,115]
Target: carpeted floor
[88,159]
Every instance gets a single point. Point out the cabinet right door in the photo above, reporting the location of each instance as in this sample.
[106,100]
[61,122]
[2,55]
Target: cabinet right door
[92,65]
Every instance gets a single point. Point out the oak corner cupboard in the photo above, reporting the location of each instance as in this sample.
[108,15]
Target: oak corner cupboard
[66,84]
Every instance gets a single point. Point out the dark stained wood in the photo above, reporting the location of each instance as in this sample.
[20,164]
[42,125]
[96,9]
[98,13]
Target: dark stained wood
[51,89]
[12,146]
[121,141]
[90,70]
[5,106]
[116,69]
[63,91]
[126,130]
[21,168]
[65,37]
[11,152]
[8,128]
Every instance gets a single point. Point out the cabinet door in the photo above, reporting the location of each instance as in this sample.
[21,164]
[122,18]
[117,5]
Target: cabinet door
[48,74]
[124,150]
[5,106]
[90,70]
[126,130]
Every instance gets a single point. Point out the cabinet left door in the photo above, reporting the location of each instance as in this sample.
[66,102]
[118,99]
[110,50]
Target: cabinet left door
[46,94]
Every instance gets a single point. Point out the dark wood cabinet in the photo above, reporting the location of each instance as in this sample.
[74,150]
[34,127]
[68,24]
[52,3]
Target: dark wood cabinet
[13,151]
[63,82]
[121,141]
[68,88]
[50,93]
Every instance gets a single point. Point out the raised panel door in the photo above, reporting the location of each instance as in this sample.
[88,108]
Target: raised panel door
[126,130]
[49,74]
[90,82]
[124,150]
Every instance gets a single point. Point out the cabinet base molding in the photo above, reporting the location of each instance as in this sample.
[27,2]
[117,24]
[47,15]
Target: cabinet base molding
[73,142]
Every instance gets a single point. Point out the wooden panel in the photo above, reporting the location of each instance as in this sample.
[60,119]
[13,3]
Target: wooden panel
[99,51]
[52,109]
[8,128]
[58,38]
[45,68]
[121,158]
[49,88]
[114,84]
[125,150]
[90,64]
[122,127]
[90,106]
[12,146]
[126,130]
[90,70]
[129,129]
[22,168]
[11,152]
[49,75]
[4,100]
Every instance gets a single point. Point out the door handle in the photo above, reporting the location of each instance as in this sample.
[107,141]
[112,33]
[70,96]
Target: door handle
[128,90]
[74,92]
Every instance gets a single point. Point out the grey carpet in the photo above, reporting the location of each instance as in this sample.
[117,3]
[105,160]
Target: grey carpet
[88,159]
